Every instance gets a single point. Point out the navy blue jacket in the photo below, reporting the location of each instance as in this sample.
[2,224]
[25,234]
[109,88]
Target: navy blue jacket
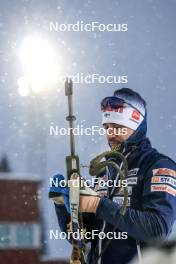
[151,209]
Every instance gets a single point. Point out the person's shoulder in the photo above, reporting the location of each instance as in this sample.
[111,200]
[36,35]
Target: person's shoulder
[163,157]
[165,161]
[150,155]
[152,159]
[162,164]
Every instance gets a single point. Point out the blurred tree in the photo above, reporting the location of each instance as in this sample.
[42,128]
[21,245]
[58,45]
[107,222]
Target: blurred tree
[4,164]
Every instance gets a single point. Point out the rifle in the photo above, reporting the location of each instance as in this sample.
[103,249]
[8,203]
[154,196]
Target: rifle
[73,175]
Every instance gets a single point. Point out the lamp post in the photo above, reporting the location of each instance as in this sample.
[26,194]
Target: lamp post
[40,74]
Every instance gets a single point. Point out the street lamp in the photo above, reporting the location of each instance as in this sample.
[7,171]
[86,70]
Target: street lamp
[39,64]
[40,72]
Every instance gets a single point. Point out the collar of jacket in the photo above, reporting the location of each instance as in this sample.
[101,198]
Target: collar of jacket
[137,141]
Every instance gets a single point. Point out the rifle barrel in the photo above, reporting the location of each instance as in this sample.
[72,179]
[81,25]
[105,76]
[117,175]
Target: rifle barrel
[70,118]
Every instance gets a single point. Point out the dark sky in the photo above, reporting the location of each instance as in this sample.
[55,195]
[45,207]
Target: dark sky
[145,53]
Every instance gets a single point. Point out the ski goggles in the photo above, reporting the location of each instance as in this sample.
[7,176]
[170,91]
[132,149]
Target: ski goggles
[111,102]
[134,102]
[118,111]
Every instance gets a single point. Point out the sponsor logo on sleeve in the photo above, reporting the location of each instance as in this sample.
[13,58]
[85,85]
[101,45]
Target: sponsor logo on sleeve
[132,180]
[133,172]
[163,188]
[164,179]
[164,171]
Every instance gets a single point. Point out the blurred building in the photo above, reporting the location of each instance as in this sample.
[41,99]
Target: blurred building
[20,220]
